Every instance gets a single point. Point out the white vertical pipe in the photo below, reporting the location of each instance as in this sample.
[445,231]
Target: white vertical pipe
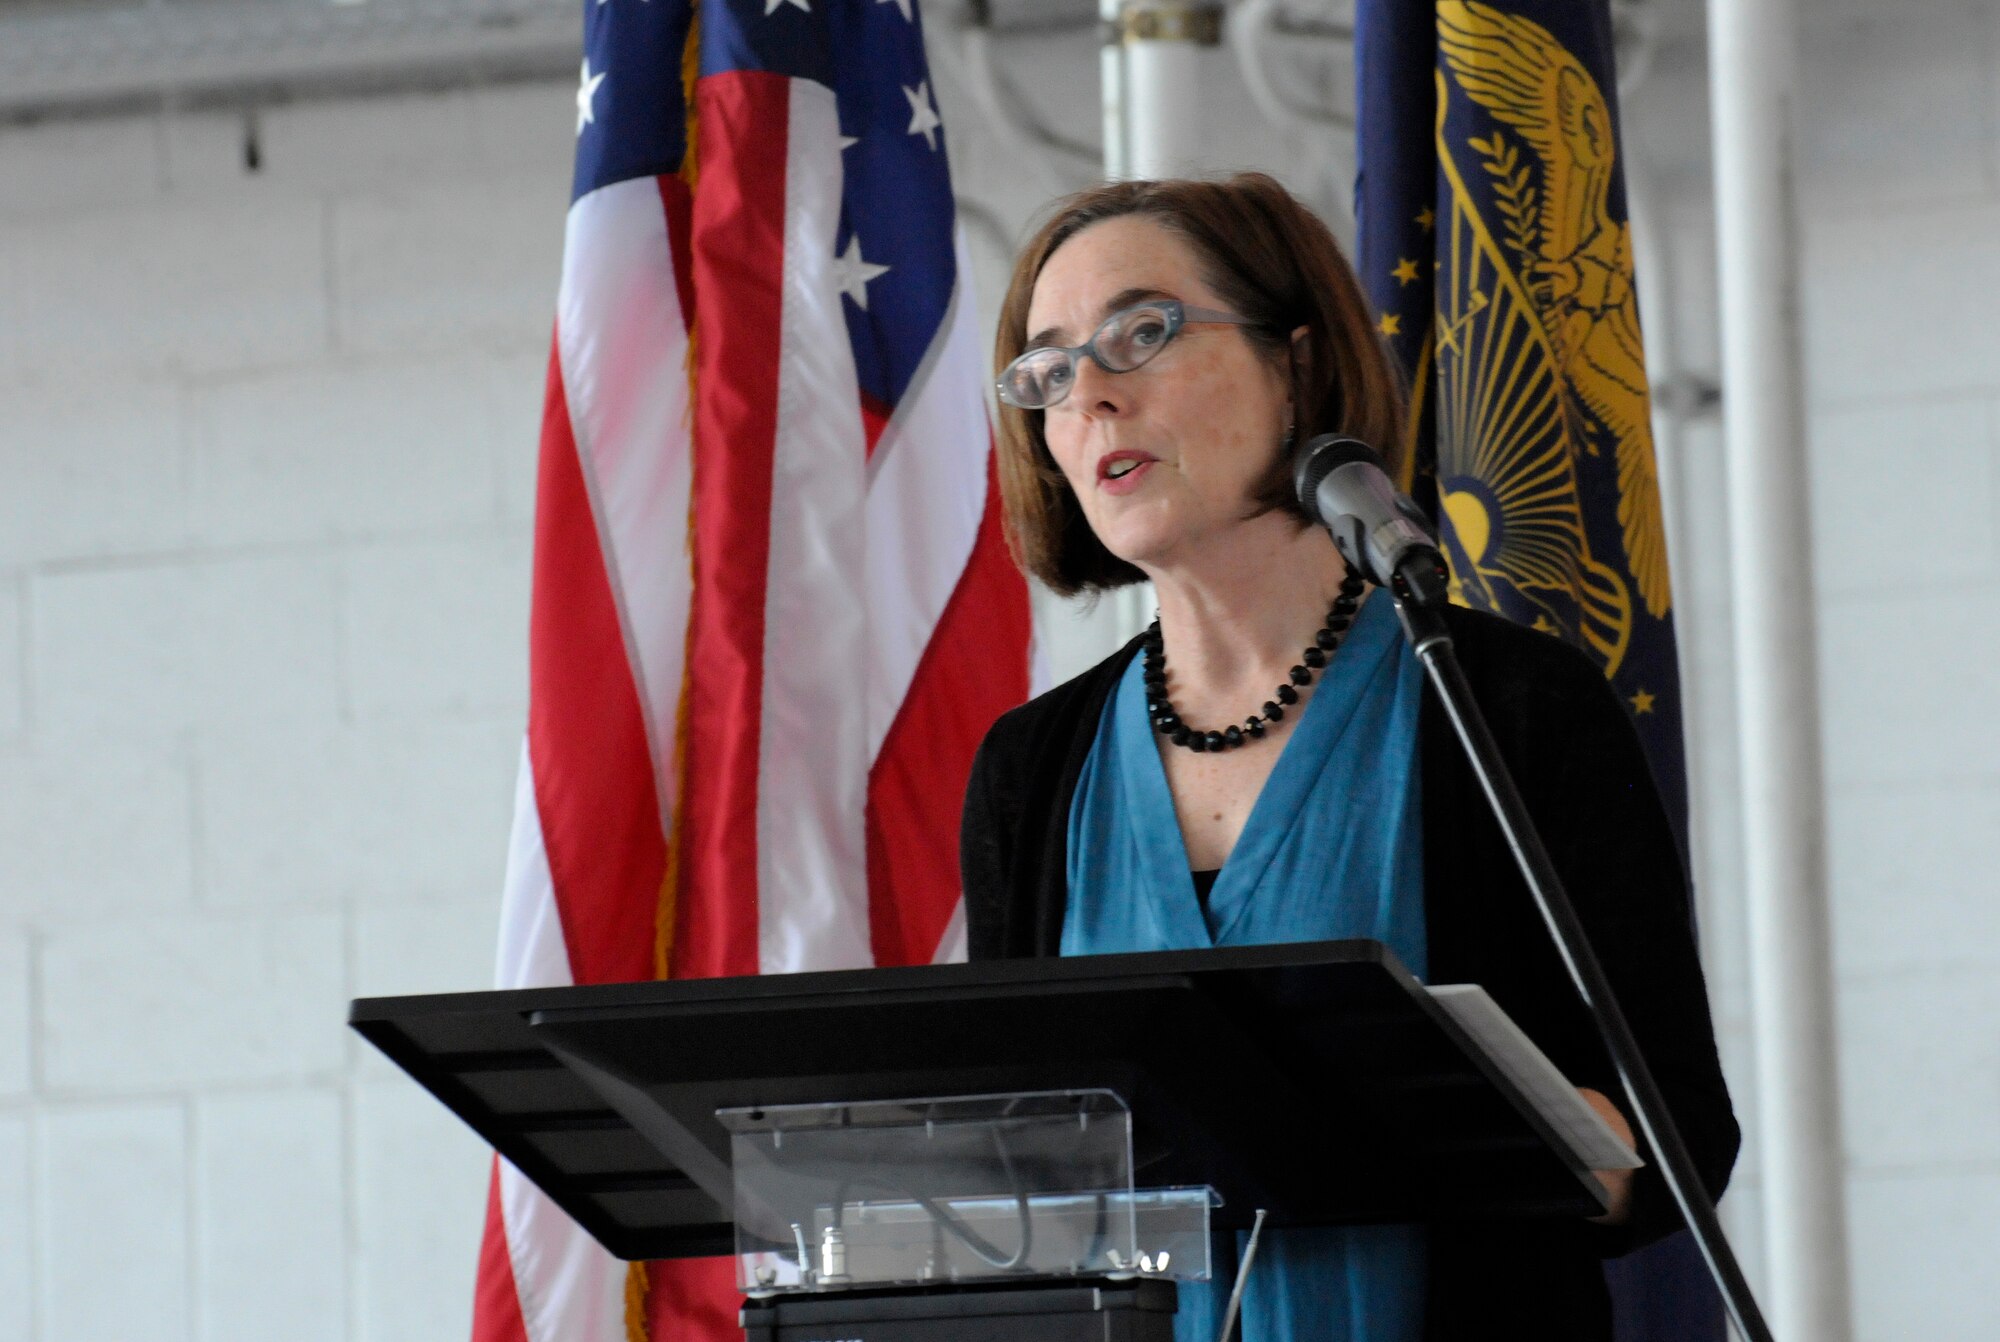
[1752,86]
[1655,276]
[1164,79]
[1111,90]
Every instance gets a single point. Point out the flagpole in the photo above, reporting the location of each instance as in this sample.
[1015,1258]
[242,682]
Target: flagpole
[1752,83]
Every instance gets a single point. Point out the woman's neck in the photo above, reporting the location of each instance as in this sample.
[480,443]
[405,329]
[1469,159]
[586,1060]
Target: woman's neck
[1235,621]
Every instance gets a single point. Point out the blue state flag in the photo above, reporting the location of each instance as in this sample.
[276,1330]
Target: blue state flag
[1496,250]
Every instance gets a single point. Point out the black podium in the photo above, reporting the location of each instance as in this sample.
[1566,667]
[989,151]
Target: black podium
[1319,1082]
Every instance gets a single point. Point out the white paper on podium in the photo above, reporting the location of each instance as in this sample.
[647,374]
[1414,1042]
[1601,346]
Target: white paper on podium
[1580,1126]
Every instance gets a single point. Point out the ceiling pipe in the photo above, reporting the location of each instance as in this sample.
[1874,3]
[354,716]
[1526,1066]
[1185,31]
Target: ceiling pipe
[63,65]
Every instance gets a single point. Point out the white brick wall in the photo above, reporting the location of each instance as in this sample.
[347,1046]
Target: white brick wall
[17,1230]
[168,285]
[156,650]
[13,665]
[90,475]
[17,1068]
[270,1192]
[421,618]
[1898,159]
[266,478]
[440,265]
[113,1228]
[1937,438]
[1924,1253]
[393,813]
[412,459]
[162,1003]
[93,831]
[415,1265]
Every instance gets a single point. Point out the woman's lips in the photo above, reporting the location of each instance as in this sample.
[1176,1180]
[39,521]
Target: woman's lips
[1126,483]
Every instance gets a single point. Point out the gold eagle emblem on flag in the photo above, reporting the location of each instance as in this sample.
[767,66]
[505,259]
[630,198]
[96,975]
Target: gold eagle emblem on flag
[1540,369]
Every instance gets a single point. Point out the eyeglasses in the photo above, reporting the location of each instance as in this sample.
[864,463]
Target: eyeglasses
[1127,340]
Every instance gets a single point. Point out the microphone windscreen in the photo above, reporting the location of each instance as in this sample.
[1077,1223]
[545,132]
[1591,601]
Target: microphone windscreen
[1320,456]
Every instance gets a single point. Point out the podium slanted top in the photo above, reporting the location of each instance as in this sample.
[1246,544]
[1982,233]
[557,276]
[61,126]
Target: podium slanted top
[1317,1080]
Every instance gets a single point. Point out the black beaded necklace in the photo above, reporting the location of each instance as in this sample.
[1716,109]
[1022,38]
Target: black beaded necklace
[1313,659]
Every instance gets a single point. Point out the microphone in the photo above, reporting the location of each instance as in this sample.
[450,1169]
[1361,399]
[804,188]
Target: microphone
[1381,534]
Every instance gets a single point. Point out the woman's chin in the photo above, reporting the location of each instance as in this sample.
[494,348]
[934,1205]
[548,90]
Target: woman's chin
[1160,537]
[1148,548]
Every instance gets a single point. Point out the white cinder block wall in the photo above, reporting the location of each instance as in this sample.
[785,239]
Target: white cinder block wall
[266,462]
[266,469]
[1900,183]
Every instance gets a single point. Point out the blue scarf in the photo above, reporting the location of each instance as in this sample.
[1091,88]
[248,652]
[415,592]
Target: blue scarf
[1332,849]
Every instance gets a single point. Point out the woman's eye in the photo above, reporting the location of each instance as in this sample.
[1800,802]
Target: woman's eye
[1147,332]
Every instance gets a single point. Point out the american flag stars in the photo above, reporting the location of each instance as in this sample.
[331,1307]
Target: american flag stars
[851,274]
[586,94]
[924,119]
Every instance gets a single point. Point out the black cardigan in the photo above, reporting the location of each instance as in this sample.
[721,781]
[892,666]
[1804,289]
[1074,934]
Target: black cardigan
[1585,780]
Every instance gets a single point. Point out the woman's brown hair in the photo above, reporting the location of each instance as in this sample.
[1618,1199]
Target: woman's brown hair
[1272,261]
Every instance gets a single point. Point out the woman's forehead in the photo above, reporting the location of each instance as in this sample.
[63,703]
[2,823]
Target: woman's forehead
[1109,258]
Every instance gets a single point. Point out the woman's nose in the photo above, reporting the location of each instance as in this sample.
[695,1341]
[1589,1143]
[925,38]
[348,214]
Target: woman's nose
[1096,392]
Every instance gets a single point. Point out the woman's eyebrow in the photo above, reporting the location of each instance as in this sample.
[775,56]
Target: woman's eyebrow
[1124,298]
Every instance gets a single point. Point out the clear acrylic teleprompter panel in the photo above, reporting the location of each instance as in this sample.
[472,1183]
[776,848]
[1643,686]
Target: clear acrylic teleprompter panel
[961,1189]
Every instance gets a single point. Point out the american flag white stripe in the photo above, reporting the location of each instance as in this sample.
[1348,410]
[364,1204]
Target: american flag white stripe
[624,345]
[570,1289]
[532,953]
[926,490]
[812,883]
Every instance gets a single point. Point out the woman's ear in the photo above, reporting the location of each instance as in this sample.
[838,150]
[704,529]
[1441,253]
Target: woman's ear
[1301,362]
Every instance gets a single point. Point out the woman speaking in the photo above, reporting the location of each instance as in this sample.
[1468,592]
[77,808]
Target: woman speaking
[1266,763]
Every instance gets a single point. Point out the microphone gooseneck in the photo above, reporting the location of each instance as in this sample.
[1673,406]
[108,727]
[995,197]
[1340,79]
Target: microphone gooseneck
[1381,534]
[1385,538]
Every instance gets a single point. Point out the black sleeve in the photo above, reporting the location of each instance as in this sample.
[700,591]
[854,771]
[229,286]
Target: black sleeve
[984,860]
[1615,851]
[1013,832]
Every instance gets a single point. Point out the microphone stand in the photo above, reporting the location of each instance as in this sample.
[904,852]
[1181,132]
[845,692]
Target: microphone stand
[1418,588]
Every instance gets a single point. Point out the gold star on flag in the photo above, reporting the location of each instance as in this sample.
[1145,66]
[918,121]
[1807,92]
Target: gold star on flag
[1390,324]
[1405,271]
[1642,702]
[1427,217]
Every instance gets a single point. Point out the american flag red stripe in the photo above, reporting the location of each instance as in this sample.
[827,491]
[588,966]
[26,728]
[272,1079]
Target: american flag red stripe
[692,1299]
[918,781]
[773,613]
[594,789]
[737,235]
[496,1303]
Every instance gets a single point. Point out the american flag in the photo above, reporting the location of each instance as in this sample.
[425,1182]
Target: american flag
[773,612]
